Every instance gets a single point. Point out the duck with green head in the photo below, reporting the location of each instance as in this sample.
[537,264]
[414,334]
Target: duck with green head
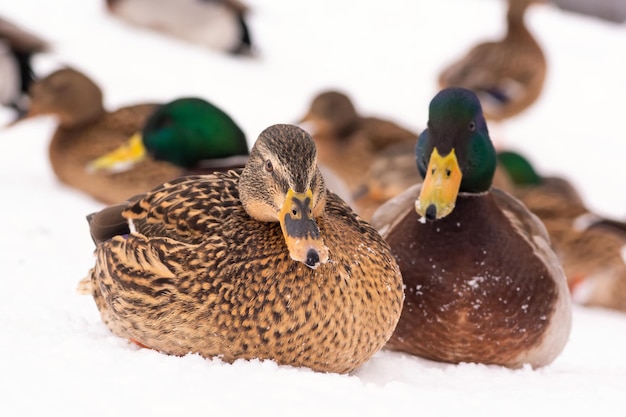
[195,136]
[482,283]
[86,131]
[590,246]
[190,133]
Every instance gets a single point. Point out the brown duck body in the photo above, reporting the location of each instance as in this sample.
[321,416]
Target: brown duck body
[374,157]
[199,275]
[508,74]
[72,148]
[591,249]
[87,131]
[351,156]
[472,298]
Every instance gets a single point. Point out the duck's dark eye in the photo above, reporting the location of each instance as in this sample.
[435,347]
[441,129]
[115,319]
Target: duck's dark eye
[268,166]
[472,126]
[448,173]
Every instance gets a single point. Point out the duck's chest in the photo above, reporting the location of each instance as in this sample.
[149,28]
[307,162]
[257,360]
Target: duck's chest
[472,262]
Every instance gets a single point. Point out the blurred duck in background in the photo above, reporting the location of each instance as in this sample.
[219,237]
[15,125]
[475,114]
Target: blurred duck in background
[87,132]
[189,133]
[17,47]
[194,135]
[612,10]
[506,75]
[592,249]
[216,24]
[374,157]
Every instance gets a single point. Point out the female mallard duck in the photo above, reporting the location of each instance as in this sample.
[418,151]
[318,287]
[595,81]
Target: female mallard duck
[17,47]
[216,24]
[259,263]
[507,75]
[358,149]
[482,284]
[86,131]
[591,248]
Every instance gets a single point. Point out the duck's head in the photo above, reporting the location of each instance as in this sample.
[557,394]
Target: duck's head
[68,94]
[282,183]
[331,113]
[183,132]
[454,154]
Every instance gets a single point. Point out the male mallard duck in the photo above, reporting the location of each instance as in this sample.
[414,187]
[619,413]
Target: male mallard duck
[87,131]
[507,75]
[189,133]
[482,284]
[592,249]
[262,263]
[17,47]
[216,24]
[358,149]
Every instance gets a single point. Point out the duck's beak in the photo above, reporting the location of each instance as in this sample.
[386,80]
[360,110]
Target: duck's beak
[121,159]
[300,229]
[440,187]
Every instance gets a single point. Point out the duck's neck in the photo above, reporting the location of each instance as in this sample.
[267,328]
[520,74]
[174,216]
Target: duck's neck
[81,116]
[515,19]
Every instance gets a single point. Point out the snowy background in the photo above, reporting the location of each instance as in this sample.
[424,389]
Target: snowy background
[56,356]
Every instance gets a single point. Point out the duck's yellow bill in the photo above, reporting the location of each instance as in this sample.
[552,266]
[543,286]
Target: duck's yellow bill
[302,235]
[121,159]
[440,187]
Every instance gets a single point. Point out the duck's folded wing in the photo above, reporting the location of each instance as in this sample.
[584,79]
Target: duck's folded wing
[187,209]
[527,223]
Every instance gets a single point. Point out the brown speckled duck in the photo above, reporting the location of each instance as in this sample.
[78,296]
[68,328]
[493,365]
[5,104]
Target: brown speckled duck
[507,75]
[592,249]
[260,263]
[374,157]
[482,283]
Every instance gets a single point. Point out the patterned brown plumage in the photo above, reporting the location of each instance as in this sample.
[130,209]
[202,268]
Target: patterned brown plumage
[195,272]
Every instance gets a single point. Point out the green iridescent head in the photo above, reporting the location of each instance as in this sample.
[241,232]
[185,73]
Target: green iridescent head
[189,130]
[185,132]
[454,154]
